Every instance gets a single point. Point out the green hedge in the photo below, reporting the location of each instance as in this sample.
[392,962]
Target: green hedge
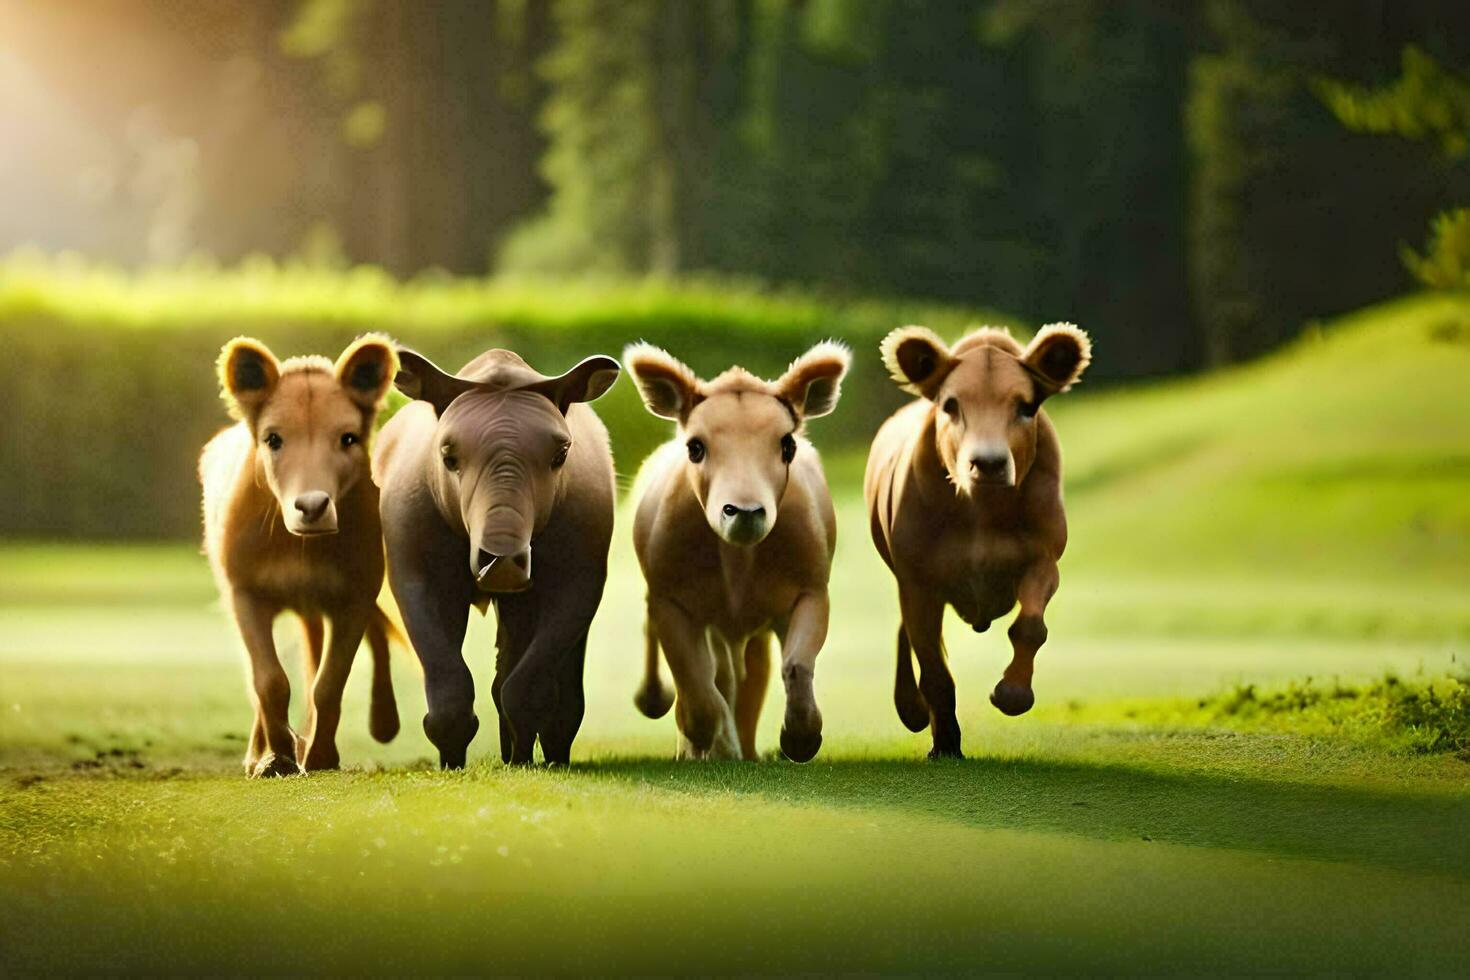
[109,381]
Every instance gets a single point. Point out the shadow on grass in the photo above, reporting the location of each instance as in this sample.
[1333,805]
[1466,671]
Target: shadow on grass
[1404,830]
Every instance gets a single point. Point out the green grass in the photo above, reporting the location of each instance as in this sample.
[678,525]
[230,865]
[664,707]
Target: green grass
[1301,518]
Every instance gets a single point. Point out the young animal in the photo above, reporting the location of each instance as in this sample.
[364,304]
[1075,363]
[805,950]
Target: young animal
[964,494]
[291,522]
[735,533]
[484,472]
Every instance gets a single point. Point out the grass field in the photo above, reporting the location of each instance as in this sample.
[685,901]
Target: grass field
[1306,517]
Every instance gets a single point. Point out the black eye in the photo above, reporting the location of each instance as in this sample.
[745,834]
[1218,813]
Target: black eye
[561,456]
[451,462]
[951,407]
[349,439]
[1026,411]
[274,441]
[696,450]
[788,448]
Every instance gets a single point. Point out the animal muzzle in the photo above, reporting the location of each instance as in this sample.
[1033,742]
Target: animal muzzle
[743,524]
[311,513]
[993,468]
[503,573]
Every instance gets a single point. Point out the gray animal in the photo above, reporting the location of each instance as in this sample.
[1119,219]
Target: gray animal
[497,486]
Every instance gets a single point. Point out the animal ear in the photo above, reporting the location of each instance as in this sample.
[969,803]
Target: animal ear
[420,379]
[366,369]
[248,373]
[586,382]
[917,359]
[814,380]
[669,388]
[1057,356]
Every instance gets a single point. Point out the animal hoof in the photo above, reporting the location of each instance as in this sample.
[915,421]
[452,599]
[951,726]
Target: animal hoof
[653,701]
[913,714]
[800,747]
[946,752]
[383,724]
[272,766]
[321,759]
[1012,699]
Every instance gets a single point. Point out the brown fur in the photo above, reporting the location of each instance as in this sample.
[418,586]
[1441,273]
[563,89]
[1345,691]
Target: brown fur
[963,487]
[502,466]
[295,527]
[736,544]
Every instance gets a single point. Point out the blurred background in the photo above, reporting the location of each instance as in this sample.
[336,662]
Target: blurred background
[1194,182]
[1257,209]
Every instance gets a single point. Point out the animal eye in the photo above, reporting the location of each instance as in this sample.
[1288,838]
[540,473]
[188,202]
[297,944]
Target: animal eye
[349,439]
[696,450]
[451,462]
[1025,411]
[788,448]
[274,441]
[951,407]
[561,456]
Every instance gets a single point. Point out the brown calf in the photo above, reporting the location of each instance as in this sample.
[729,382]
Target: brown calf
[486,471]
[291,522]
[735,533]
[964,494]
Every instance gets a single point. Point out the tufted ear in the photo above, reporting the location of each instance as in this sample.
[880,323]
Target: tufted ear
[1057,356]
[917,359]
[421,379]
[814,380]
[248,373]
[366,369]
[669,388]
[586,382]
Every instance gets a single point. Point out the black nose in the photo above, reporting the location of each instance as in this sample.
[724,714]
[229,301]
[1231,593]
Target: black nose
[990,465]
[312,505]
[732,511]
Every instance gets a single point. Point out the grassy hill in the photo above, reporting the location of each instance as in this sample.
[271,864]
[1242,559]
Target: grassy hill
[1306,516]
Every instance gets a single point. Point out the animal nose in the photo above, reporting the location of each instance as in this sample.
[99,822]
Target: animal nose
[990,465]
[520,560]
[503,573]
[750,513]
[312,506]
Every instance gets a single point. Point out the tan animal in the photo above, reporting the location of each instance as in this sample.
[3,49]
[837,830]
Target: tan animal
[964,494]
[291,522]
[486,471]
[735,533]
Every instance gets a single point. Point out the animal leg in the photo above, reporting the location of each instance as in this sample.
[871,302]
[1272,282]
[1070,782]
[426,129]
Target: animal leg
[751,695]
[706,723]
[652,697]
[256,747]
[806,631]
[313,635]
[436,626]
[561,727]
[1013,694]
[272,688]
[383,707]
[326,694]
[505,661]
[913,711]
[923,621]
[530,695]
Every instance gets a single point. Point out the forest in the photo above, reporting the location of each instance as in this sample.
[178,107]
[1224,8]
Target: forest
[1195,180]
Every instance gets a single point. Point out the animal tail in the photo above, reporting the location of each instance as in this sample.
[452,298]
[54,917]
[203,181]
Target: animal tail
[652,697]
[913,711]
[383,709]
